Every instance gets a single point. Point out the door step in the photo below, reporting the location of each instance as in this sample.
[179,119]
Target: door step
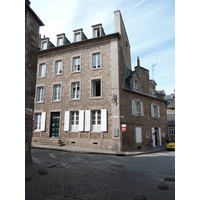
[51,142]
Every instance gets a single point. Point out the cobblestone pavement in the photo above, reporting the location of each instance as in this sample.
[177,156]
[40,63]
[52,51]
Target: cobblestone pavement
[91,176]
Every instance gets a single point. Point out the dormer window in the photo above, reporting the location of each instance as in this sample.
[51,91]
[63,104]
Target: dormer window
[60,41]
[153,90]
[77,37]
[135,85]
[96,32]
[44,45]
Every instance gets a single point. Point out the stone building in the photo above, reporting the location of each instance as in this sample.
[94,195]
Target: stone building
[170,99]
[32,24]
[86,91]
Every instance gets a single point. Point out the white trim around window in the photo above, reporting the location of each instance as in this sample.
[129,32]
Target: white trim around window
[58,67]
[96,87]
[76,64]
[39,121]
[155,111]
[39,94]
[42,70]
[96,60]
[56,92]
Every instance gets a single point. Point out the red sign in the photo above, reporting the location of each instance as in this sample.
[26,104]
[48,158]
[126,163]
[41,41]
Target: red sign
[123,129]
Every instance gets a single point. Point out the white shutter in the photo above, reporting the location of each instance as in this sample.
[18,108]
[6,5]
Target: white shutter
[87,120]
[141,109]
[160,137]
[81,119]
[153,137]
[104,120]
[138,132]
[43,119]
[152,111]
[66,122]
[158,111]
[133,107]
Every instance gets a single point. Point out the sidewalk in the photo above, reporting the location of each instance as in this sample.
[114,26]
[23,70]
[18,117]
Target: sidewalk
[99,151]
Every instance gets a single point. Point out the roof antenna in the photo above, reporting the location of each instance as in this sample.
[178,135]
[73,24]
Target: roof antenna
[153,69]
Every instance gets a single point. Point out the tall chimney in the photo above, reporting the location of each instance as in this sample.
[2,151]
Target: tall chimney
[138,61]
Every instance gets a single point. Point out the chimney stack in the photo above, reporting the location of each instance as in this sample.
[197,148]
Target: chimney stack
[43,36]
[138,61]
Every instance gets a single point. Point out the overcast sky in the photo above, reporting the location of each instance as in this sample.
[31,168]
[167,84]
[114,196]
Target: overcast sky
[150,25]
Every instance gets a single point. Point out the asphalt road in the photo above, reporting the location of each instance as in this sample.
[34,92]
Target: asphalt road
[95,176]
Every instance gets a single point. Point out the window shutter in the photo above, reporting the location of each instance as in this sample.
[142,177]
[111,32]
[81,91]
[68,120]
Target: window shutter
[66,122]
[133,107]
[81,118]
[138,132]
[87,120]
[152,111]
[104,120]
[153,137]
[160,138]
[158,111]
[43,121]
[141,108]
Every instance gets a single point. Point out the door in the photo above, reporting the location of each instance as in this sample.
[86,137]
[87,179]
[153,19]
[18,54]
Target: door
[55,124]
[153,136]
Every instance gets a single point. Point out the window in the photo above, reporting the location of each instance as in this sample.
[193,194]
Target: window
[56,92]
[39,121]
[153,90]
[96,88]
[137,108]
[96,120]
[42,70]
[155,111]
[96,60]
[40,94]
[76,64]
[38,117]
[75,120]
[60,41]
[171,131]
[135,85]
[44,45]
[96,32]
[75,90]
[58,67]
[77,37]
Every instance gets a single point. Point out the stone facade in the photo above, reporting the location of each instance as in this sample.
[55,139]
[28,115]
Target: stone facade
[32,23]
[92,102]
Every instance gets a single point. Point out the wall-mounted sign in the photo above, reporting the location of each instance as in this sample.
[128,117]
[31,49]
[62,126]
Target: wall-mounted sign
[123,127]
[147,135]
[29,111]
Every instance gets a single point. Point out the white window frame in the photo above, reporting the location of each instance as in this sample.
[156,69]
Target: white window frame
[58,67]
[96,32]
[37,121]
[74,120]
[44,45]
[76,64]
[93,87]
[40,94]
[75,90]
[57,92]
[60,41]
[135,84]
[42,70]
[96,60]
[77,37]
[96,120]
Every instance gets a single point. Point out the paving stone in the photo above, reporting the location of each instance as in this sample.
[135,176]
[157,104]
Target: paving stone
[163,186]
[42,171]
[28,177]
[139,197]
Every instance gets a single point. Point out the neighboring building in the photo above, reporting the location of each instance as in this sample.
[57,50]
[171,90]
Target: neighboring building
[170,99]
[86,91]
[32,24]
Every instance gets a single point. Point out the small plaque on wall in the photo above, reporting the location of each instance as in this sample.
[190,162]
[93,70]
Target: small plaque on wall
[116,132]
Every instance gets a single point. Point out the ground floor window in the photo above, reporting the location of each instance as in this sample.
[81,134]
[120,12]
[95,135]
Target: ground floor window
[38,117]
[74,120]
[96,120]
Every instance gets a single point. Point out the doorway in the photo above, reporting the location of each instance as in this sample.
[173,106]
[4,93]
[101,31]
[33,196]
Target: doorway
[55,124]
[156,138]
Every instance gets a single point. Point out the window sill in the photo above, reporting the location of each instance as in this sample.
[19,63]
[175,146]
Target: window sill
[58,74]
[78,99]
[76,72]
[56,101]
[39,102]
[93,98]
[98,68]
[40,77]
